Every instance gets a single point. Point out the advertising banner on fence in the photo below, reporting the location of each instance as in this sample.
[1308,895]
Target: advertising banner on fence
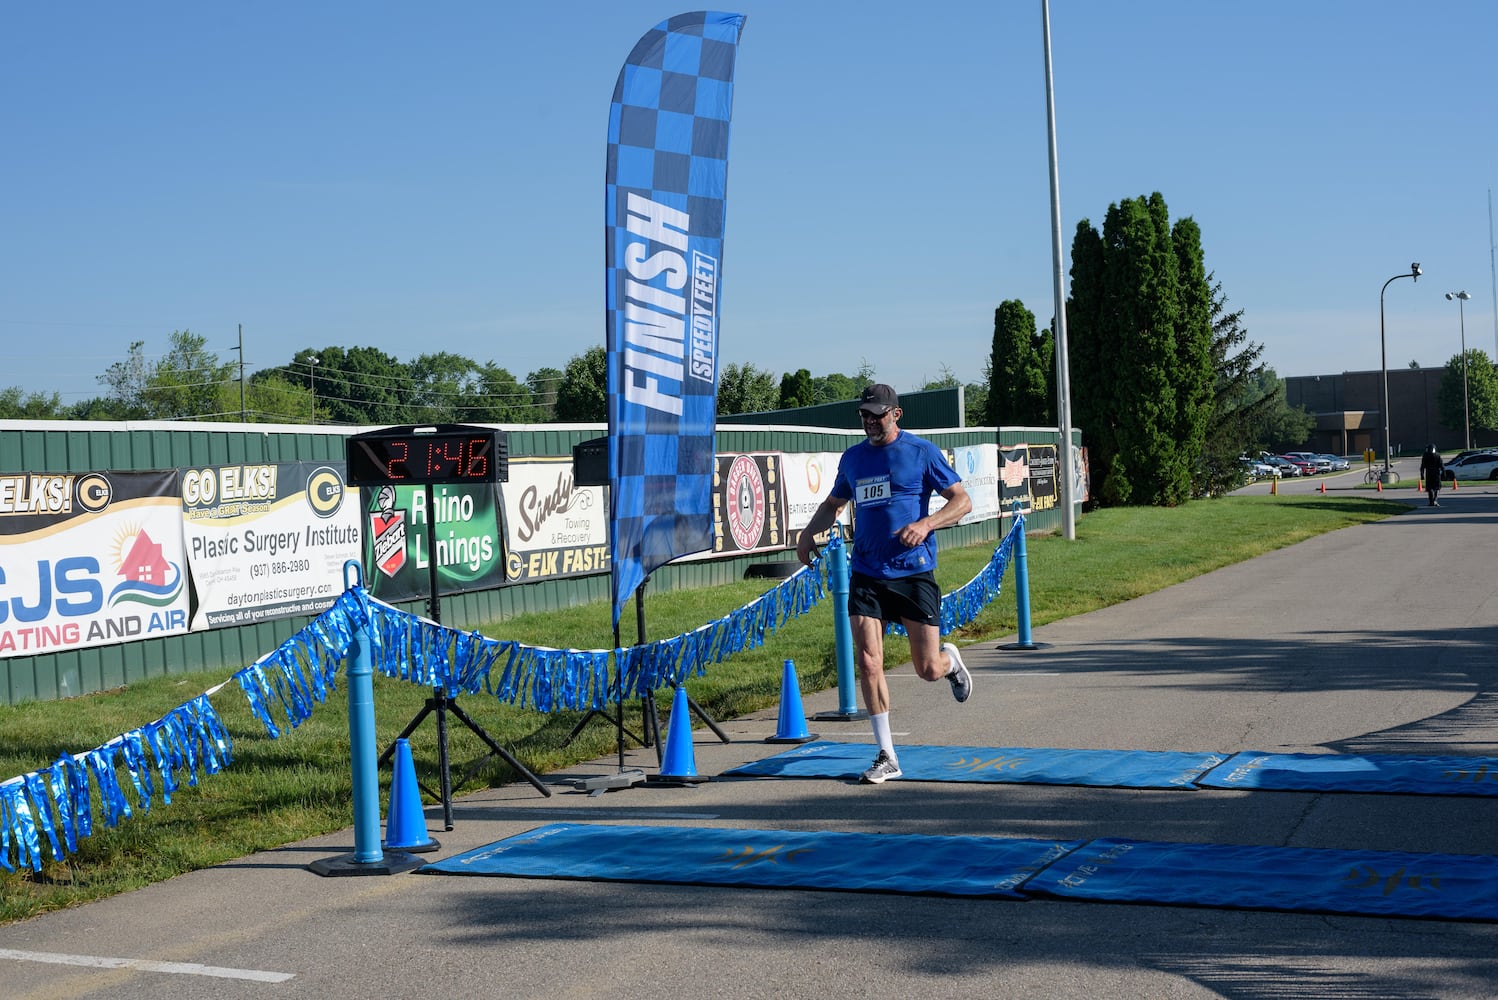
[749,504]
[1014,478]
[978,465]
[1043,465]
[89,559]
[808,480]
[267,541]
[553,527]
[398,553]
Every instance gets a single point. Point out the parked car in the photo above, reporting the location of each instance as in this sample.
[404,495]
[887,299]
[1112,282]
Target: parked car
[1258,470]
[1319,463]
[1306,467]
[1339,464]
[1284,465]
[1481,465]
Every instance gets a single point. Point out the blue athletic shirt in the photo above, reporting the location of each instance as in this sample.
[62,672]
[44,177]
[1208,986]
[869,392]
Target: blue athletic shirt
[891,486]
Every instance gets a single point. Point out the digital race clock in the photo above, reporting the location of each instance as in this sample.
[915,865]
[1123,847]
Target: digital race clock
[415,456]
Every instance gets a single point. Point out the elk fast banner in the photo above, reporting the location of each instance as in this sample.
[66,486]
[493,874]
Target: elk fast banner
[267,541]
[1043,462]
[664,206]
[89,559]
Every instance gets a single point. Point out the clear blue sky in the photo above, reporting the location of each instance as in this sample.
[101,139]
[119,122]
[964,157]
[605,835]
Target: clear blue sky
[425,177]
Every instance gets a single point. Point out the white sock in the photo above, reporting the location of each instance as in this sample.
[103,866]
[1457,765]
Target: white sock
[880,723]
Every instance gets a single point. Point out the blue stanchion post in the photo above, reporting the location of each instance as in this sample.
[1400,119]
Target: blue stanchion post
[842,630]
[1021,590]
[361,735]
[369,856]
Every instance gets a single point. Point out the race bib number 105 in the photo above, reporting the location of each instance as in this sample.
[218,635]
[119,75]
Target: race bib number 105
[872,491]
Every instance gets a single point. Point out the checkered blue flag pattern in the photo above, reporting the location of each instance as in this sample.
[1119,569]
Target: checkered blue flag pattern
[664,208]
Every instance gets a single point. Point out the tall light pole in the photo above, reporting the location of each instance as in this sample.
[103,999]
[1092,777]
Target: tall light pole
[1461,312]
[1414,274]
[1065,482]
[312,364]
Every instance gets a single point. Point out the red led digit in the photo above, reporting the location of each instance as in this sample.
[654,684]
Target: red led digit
[405,452]
[478,461]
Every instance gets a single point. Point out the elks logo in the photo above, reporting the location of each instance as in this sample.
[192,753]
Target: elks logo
[389,533]
[744,492]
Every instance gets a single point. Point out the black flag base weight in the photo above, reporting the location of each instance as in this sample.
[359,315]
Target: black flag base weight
[390,863]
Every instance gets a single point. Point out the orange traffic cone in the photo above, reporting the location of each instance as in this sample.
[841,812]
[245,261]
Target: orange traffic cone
[1274,487]
[1323,486]
[1453,485]
[1419,486]
[1380,484]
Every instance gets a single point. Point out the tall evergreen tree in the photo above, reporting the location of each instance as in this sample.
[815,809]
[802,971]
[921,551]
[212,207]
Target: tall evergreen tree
[1240,405]
[1018,384]
[797,390]
[1139,297]
[1193,375]
[1089,346]
[1140,347]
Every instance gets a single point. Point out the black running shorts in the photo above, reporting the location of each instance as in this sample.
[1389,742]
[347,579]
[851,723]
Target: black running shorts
[914,598]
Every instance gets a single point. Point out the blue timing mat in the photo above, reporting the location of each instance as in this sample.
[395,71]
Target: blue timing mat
[1302,880]
[1311,772]
[773,859]
[1363,883]
[1008,765]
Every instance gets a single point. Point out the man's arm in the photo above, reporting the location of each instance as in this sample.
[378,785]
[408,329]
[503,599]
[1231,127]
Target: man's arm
[958,504]
[820,521]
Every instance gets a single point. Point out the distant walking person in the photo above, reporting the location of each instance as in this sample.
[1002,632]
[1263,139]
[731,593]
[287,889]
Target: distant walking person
[1431,468]
[890,477]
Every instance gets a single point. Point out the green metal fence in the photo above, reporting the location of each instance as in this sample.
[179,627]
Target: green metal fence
[49,446]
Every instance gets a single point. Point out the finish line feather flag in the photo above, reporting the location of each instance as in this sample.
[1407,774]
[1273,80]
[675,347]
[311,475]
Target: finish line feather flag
[664,207]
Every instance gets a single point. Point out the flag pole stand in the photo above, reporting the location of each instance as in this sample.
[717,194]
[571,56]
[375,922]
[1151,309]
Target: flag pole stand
[442,702]
[650,722]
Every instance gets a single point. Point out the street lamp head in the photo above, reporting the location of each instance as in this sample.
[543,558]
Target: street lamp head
[1415,271]
[1463,296]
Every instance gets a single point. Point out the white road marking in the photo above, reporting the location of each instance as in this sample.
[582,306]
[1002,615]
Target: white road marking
[178,968]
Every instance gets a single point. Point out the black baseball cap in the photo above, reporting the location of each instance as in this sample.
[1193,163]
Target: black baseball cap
[878,399]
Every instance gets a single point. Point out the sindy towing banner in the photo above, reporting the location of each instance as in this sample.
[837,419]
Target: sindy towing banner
[664,205]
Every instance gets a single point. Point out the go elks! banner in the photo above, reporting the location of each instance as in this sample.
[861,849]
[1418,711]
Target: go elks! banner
[665,198]
[267,540]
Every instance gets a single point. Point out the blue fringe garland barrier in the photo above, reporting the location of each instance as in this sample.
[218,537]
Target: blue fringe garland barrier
[55,806]
[964,604]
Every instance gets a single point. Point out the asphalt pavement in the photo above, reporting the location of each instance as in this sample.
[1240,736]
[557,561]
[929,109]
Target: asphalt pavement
[1372,639]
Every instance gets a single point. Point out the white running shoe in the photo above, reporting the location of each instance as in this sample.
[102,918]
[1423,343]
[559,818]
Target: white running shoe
[883,768]
[961,678]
